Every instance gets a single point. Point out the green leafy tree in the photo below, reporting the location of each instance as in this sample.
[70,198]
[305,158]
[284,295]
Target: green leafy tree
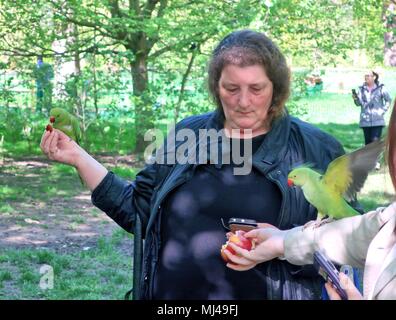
[153,39]
[138,31]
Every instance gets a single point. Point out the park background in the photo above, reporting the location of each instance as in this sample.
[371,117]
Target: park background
[124,67]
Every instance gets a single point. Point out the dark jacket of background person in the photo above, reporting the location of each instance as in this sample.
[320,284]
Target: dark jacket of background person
[374,106]
[289,143]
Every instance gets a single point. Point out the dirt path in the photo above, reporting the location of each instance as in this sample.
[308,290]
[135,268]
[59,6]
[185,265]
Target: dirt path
[43,208]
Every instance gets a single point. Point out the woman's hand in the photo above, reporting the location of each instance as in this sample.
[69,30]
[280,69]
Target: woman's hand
[269,245]
[346,283]
[59,147]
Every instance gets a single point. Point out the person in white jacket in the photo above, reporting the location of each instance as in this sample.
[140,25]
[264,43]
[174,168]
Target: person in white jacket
[367,241]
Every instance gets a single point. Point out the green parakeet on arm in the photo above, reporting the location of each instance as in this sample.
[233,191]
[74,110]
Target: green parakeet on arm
[66,122]
[344,176]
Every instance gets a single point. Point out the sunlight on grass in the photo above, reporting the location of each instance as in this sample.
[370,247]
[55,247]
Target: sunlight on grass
[6,208]
[60,169]
[101,273]
[332,108]
[377,191]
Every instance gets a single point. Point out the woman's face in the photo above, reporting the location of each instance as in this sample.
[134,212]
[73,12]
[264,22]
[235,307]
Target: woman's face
[369,78]
[246,95]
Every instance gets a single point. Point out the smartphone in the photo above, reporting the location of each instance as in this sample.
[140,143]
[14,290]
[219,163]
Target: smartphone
[235,224]
[329,272]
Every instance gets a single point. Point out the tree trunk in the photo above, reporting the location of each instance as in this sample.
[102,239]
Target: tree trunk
[143,104]
[183,86]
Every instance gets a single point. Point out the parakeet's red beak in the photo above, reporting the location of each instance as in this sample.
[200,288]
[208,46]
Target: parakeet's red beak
[290,182]
[52,119]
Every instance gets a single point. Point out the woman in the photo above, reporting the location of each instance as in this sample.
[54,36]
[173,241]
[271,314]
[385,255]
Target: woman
[367,241]
[374,101]
[180,205]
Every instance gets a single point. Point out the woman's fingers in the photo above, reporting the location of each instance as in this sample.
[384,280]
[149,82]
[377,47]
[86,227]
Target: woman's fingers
[252,233]
[47,142]
[333,295]
[266,225]
[237,267]
[352,292]
[44,138]
[236,259]
[53,148]
[239,251]
[346,283]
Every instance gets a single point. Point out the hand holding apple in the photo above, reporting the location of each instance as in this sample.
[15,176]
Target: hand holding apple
[238,239]
[268,244]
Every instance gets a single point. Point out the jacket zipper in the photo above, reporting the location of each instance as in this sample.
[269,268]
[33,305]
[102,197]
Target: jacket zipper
[156,233]
[270,293]
[282,190]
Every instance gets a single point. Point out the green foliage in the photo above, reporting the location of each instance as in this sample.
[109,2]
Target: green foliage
[298,91]
[21,130]
[150,60]
[7,95]
[323,32]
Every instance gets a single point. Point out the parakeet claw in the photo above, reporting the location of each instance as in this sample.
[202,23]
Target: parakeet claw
[324,221]
[309,224]
[317,223]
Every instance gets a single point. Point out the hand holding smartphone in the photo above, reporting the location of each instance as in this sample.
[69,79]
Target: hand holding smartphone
[329,272]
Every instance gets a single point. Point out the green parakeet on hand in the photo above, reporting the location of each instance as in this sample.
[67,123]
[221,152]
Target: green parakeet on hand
[66,122]
[344,176]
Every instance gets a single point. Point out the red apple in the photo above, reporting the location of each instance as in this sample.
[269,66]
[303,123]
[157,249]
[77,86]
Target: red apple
[238,239]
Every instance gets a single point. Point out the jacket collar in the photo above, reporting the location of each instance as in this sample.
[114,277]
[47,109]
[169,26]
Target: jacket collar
[274,145]
[365,87]
[387,275]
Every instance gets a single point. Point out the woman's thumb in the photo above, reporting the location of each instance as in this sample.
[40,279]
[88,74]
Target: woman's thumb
[252,233]
[346,282]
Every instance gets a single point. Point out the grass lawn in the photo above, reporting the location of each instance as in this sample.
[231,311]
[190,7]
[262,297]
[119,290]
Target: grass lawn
[46,218]
[103,272]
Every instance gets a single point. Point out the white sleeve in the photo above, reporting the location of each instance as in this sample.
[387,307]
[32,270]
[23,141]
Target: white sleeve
[344,241]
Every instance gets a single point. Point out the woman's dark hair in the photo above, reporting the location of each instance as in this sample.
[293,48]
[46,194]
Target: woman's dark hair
[246,48]
[391,146]
[376,78]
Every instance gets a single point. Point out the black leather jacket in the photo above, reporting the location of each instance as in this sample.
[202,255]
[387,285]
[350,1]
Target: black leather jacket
[290,142]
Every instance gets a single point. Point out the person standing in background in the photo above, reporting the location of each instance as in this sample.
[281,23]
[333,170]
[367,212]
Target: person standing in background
[374,101]
[43,74]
